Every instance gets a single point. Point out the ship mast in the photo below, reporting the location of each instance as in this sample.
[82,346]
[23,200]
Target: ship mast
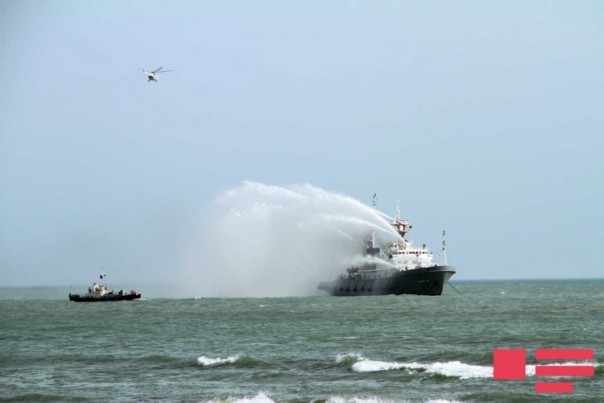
[401,226]
[444,250]
[371,249]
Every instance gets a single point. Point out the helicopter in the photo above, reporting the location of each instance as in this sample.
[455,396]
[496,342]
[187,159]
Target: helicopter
[153,75]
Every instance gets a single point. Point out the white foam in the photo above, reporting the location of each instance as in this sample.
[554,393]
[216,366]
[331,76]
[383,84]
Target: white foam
[451,369]
[211,362]
[459,370]
[339,399]
[376,366]
[355,356]
[454,369]
[261,397]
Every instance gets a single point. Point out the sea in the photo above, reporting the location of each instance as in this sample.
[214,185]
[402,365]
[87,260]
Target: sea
[300,349]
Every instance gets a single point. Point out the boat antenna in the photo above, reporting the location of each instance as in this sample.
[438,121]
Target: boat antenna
[398,209]
[371,249]
[444,250]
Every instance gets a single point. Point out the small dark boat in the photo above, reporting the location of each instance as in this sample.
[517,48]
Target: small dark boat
[100,293]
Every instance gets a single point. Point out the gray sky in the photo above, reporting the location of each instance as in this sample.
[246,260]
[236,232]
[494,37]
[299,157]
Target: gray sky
[483,118]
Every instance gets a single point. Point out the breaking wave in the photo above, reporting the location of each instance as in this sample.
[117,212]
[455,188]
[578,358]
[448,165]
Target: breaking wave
[452,369]
[206,361]
[263,397]
[238,361]
[338,399]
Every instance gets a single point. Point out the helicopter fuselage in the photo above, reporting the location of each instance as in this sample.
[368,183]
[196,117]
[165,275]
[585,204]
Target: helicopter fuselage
[154,75]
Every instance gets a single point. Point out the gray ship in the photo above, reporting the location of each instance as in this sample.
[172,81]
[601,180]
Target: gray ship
[400,268]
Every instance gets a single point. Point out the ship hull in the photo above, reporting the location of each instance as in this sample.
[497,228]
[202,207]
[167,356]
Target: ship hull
[420,281]
[104,298]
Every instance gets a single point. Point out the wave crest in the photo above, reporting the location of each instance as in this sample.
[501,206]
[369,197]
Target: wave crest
[348,359]
[455,369]
[261,397]
[206,361]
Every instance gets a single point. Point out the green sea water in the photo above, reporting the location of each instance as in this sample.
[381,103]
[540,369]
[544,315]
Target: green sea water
[348,349]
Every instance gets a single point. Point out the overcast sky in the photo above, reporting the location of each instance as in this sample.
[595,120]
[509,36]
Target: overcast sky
[484,118]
